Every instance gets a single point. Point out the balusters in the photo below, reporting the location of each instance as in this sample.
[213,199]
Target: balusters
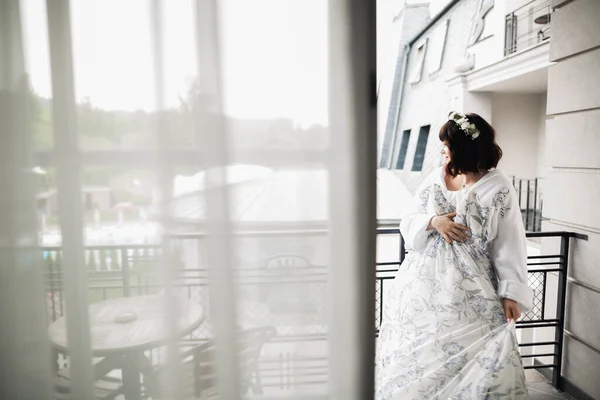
[104,259]
[51,278]
[111,261]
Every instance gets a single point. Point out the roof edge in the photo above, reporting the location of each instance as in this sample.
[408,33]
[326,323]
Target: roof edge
[433,21]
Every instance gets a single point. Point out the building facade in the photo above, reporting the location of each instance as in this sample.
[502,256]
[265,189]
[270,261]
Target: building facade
[462,60]
[532,69]
[573,179]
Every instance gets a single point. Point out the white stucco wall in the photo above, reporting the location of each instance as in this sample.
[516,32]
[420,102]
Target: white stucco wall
[490,48]
[542,166]
[517,119]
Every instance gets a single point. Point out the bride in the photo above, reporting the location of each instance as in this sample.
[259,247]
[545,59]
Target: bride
[448,329]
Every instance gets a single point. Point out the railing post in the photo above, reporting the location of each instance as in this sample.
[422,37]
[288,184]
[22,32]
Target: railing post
[125,271]
[544,289]
[560,310]
[380,304]
[527,198]
[535,193]
[520,193]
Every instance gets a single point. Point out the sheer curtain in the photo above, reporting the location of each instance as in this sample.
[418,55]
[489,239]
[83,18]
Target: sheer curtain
[188,199]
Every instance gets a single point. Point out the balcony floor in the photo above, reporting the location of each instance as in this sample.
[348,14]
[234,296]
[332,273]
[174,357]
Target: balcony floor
[540,389]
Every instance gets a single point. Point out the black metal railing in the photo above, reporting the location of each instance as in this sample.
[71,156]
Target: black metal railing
[541,269]
[527,26]
[531,202]
[130,270]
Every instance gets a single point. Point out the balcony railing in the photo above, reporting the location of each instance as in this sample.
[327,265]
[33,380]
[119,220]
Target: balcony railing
[298,287]
[531,201]
[527,26]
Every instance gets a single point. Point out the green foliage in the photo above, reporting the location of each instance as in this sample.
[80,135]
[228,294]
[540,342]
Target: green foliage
[106,130]
[42,122]
[103,129]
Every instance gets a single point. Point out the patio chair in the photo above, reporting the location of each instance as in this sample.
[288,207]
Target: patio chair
[287,295]
[197,374]
[105,388]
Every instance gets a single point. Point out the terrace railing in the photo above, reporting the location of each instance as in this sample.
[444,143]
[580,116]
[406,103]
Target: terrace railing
[531,201]
[129,270]
[527,26]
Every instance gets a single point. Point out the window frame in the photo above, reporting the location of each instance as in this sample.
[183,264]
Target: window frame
[421,148]
[435,64]
[421,57]
[403,150]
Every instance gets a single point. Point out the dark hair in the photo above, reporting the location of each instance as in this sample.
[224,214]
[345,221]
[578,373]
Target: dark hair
[467,154]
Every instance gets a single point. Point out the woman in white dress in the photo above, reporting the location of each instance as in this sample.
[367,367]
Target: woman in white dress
[448,330]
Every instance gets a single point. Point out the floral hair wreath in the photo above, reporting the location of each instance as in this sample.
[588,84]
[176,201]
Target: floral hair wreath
[464,124]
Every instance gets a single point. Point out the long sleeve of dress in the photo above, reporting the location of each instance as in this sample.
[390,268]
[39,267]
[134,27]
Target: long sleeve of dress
[413,225]
[508,250]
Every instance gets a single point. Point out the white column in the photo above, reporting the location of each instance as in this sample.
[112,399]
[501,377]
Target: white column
[219,241]
[352,198]
[69,197]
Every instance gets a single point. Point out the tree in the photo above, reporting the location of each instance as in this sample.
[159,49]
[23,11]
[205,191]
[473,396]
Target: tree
[195,113]
[41,118]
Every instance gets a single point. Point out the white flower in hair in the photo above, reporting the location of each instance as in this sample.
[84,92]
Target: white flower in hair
[464,124]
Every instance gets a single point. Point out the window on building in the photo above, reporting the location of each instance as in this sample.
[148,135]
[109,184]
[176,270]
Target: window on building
[489,12]
[403,149]
[419,61]
[421,146]
[438,43]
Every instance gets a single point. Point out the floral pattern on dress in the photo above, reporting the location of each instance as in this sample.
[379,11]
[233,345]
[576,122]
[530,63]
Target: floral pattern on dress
[443,334]
[500,201]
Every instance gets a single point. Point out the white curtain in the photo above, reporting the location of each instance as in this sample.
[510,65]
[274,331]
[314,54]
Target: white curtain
[254,275]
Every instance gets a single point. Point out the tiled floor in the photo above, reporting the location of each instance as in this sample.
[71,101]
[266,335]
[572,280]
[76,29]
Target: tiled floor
[540,389]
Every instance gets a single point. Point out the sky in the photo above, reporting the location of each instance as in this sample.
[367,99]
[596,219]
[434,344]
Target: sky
[274,55]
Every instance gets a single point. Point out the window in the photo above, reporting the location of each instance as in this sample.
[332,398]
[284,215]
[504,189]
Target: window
[129,57]
[403,149]
[421,146]
[419,61]
[438,43]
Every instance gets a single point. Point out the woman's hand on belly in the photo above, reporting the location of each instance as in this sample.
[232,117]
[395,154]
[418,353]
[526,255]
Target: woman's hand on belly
[450,230]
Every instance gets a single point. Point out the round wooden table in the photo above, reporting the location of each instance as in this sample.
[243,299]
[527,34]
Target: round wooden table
[112,339]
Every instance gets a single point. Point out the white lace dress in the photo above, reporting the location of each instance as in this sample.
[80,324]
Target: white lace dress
[443,334]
